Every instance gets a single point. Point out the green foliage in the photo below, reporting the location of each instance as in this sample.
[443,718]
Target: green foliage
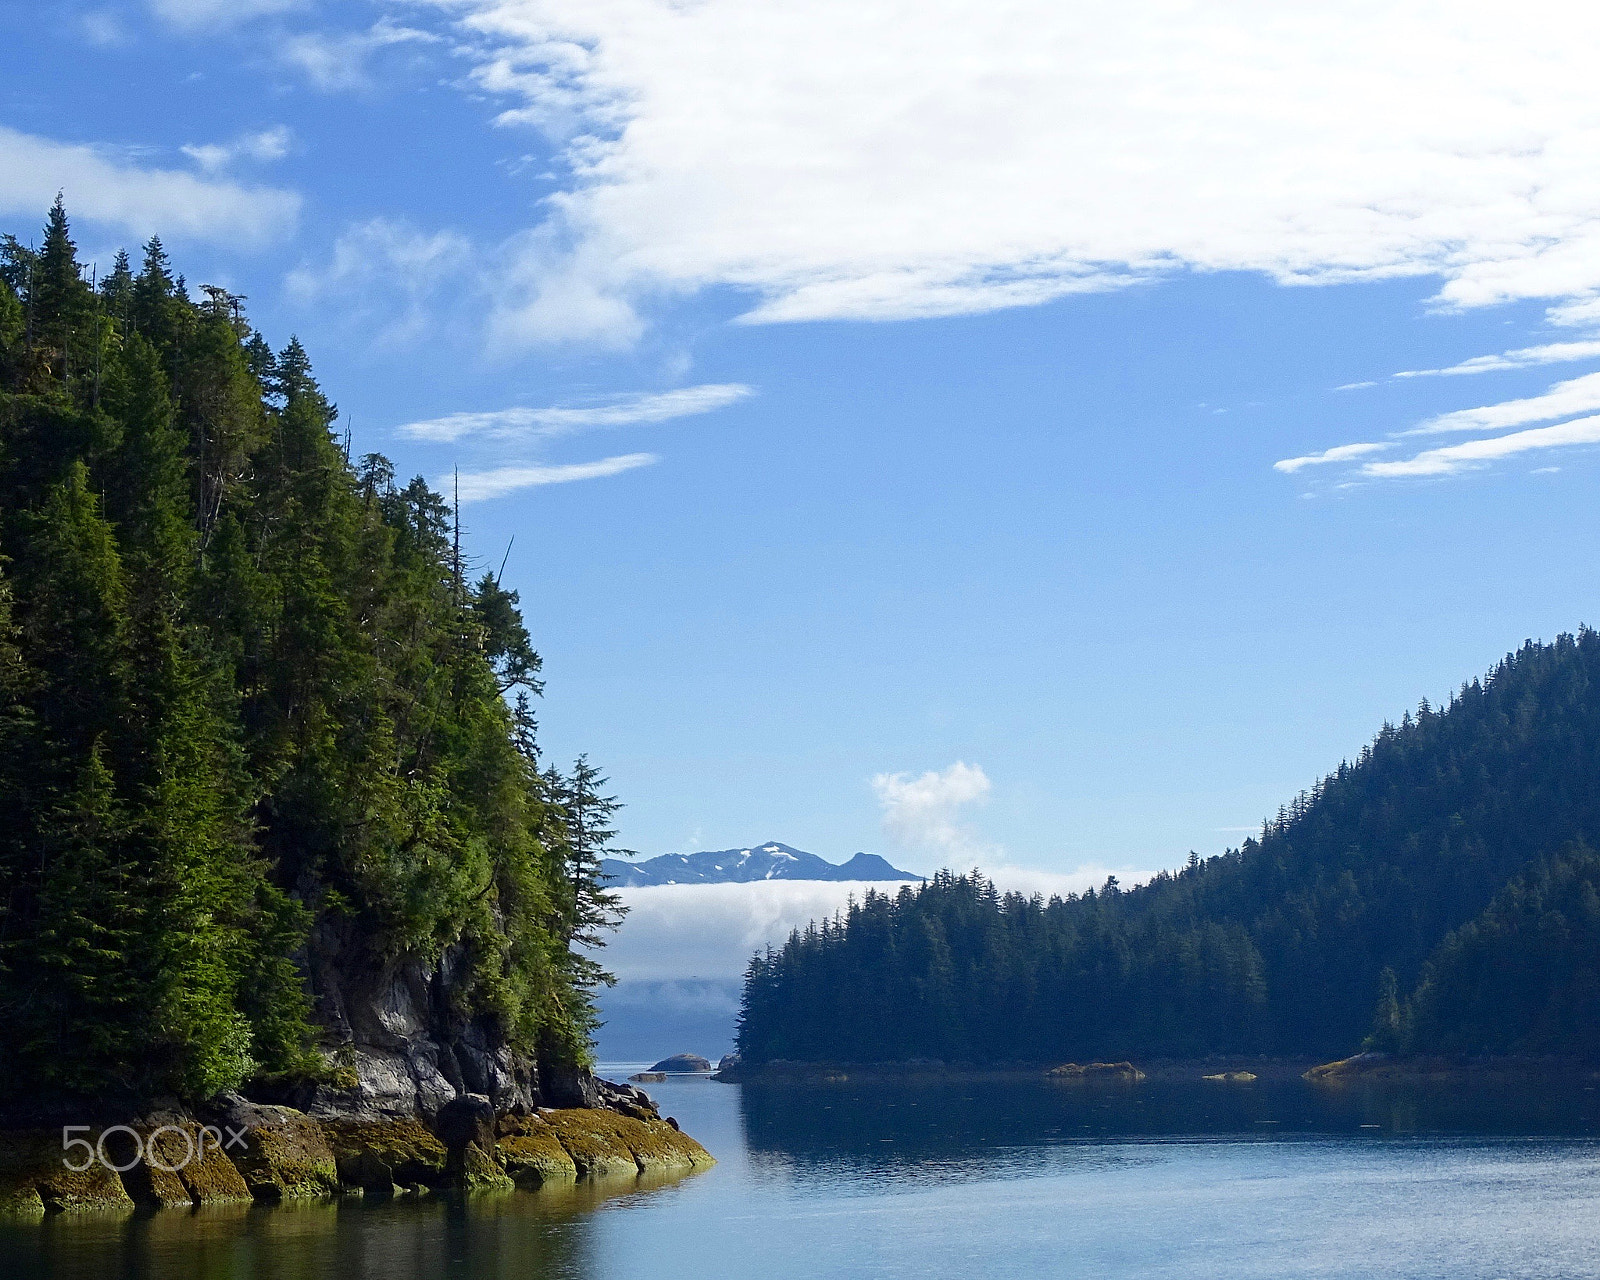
[1524,976]
[243,687]
[1279,945]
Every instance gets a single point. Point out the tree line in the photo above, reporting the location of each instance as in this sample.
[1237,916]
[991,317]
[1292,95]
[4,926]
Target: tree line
[1438,895]
[248,685]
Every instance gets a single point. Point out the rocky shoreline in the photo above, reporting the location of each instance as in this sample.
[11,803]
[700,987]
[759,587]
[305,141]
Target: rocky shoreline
[732,1069]
[1222,1068]
[234,1150]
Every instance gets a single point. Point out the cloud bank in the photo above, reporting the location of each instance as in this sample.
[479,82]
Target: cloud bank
[137,200]
[680,932]
[839,160]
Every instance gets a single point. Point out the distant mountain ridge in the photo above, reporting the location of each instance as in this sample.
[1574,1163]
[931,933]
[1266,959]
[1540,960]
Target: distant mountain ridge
[770,861]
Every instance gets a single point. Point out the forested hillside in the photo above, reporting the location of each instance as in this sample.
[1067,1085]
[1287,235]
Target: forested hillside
[1437,894]
[250,695]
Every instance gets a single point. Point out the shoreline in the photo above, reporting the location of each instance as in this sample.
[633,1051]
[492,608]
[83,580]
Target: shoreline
[1373,1068]
[234,1151]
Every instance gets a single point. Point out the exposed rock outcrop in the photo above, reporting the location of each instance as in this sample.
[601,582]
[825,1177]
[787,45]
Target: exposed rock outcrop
[531,1152]
[1109,1071]
[417,1097]
[387,1155]
[282,1153]
[683,1063]
[36,1176]
[403,1048]
[183,1164]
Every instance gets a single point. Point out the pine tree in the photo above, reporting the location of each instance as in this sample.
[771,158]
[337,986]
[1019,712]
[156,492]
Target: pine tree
[242,690]
[59,298]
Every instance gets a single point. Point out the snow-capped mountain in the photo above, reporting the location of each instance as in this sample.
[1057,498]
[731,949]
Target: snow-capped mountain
[770,861]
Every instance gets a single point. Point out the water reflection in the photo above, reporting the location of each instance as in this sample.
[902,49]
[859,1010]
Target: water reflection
[1005,1179]
[486,1236]
[934,1121]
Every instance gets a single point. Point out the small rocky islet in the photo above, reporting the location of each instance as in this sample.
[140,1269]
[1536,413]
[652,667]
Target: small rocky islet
[238,1151]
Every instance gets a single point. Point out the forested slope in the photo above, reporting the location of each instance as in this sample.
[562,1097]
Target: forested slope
[254,736]
[1437,893]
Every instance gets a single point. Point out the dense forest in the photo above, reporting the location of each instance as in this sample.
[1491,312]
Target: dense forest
[248,686]
[1437,895]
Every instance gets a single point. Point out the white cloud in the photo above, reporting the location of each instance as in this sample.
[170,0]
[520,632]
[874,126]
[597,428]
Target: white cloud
[838,159]
[333,62]
[521,423]
[1580,395]
[193,15]
[142,201]
[478,486]
[389,277]
[1473,454]
[1563,400]
[103,28]
[262,148]
[921,812]
[1339,453]
[1523,358]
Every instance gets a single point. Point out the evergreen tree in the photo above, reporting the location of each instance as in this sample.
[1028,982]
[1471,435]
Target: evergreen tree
[242,691]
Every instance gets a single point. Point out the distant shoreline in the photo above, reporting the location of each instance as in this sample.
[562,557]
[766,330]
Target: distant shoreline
[1363,1068]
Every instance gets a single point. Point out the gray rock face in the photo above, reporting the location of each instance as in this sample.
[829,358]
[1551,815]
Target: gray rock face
[404,1050]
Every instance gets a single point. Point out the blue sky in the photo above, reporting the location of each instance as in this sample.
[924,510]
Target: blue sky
[912,431]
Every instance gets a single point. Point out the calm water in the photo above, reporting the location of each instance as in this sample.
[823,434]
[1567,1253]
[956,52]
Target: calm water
[1002,1179]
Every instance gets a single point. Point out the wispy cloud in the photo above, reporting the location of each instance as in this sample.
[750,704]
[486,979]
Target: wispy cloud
[1576,396]
[479,486]
[1580,395]
[102,28]
[193,15]
[136,199]
[340,61]
[804,154]
[922,812]
[1523,358]
[390,278]
[524,423]
[1473,454]
[1339,453]
[262,148]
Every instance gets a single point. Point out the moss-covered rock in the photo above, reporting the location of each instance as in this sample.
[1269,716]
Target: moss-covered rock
[183,1164]
[531,1153]
[466,1126]
[1346,1068]
[606,1144]
[380,1155]
[35,1177]
[283,1154]
[1109,1071]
